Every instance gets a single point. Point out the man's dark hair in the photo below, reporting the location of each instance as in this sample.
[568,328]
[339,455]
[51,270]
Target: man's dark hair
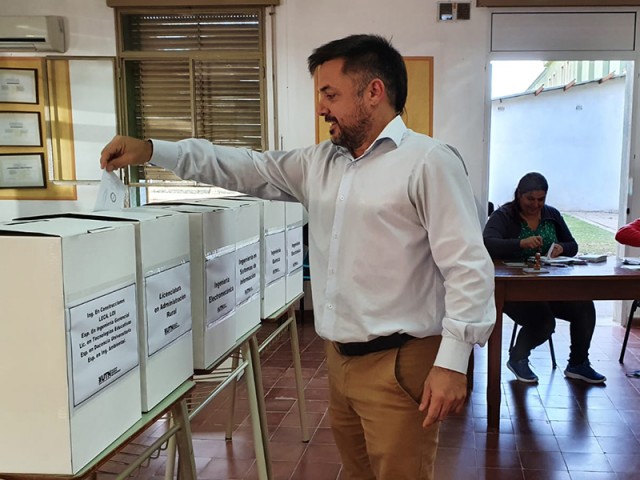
[369,57]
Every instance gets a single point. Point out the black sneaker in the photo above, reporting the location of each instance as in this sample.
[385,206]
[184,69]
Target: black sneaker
[522,371]
[583,371]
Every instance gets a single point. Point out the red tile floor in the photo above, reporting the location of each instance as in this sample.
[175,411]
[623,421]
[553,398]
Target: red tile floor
[556,430]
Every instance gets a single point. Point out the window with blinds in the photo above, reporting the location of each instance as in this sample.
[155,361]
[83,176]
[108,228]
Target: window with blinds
[193,74]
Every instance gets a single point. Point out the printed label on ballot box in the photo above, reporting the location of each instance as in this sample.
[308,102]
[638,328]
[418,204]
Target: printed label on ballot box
[295,254]
[168,298]
[220,287]
[104,341]
[248,272]
[274,262]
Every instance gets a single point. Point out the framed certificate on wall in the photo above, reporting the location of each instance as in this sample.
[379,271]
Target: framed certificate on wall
[18,85]
[22,170]
[20,129]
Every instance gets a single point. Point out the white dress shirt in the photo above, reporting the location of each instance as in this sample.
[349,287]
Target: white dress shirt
[395,243]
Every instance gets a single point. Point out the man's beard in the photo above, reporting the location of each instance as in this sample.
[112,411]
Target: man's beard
[353,135]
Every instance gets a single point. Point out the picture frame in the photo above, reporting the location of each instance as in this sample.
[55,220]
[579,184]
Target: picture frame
[19,85]
[23,170]
[20,129]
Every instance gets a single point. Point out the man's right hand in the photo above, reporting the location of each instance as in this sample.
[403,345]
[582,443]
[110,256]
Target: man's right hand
[123,151]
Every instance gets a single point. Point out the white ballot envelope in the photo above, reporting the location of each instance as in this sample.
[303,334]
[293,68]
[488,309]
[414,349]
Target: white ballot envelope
[112,193]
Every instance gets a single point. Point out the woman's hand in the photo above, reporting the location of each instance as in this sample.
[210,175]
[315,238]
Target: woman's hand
[556,251]
[534,242]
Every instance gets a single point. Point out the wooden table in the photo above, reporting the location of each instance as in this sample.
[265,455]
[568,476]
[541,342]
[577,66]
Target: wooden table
[595,281]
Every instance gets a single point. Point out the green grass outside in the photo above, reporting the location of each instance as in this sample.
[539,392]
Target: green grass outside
[591,238]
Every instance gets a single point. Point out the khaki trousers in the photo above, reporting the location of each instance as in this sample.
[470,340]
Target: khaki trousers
[373,408]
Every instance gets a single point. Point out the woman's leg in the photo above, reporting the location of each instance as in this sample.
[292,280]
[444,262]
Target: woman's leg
[582,317]
[537,321]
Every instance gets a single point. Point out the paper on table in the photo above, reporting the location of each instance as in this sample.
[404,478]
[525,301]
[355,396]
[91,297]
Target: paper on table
[112,193]
[550,251]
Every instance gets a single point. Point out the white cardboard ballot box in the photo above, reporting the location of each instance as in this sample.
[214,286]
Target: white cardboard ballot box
[273,251]
[295,251]
[213,279]
[69,366]
[248,267]
[164,297]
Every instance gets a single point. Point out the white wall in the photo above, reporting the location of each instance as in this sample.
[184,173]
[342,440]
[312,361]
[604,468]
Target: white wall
[90,32]
[89,23]
[459,50]
[573,138]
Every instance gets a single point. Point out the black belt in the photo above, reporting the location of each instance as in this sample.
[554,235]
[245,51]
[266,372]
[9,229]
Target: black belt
[355,349]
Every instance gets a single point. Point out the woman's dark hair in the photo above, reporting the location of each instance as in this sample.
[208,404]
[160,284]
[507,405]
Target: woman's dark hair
[530,182]
[369,57]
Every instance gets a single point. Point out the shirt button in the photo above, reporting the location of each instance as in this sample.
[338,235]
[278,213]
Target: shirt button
[341,197]
[330,307]
[332,271]
[335,235]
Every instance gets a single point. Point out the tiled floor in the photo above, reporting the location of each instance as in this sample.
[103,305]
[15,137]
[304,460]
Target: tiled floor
[557,430]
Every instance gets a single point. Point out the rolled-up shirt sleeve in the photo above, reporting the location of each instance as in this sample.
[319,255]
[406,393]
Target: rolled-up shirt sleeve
[449,215]
[270,175]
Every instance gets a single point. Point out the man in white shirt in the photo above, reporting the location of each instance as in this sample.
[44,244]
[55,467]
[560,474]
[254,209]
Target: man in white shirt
[402,283]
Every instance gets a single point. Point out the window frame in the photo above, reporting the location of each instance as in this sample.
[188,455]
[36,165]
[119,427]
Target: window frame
[126,104]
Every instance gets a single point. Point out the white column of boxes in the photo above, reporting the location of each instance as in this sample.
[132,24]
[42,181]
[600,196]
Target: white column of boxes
[69,365]
[247,237]
[213,279]
[295,249]
[273,250]
[164,298]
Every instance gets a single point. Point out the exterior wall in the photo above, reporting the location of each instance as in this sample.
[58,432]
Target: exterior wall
[573,138]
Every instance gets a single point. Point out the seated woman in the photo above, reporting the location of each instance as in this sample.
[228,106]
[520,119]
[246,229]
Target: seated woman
[629,234]
[517,230]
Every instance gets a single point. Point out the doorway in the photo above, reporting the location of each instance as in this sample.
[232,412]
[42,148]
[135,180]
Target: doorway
[567,120]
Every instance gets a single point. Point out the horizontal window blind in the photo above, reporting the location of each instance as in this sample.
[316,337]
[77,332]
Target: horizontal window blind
[192,32]
[194,75]
[228,103]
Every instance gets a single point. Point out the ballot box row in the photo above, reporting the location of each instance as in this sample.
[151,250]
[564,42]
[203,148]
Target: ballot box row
[107,313]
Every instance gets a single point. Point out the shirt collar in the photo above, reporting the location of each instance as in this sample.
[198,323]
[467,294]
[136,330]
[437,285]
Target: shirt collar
[394,131]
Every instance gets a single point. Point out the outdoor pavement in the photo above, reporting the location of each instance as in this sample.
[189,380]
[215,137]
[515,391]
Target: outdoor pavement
[608,220]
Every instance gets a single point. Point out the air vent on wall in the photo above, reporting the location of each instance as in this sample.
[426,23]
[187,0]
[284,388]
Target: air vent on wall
[449,11]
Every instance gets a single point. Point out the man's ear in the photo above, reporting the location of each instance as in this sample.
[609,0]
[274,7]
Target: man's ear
[376,92]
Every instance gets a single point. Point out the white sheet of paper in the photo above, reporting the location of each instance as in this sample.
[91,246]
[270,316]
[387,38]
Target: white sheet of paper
[112,192]
[550,251]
